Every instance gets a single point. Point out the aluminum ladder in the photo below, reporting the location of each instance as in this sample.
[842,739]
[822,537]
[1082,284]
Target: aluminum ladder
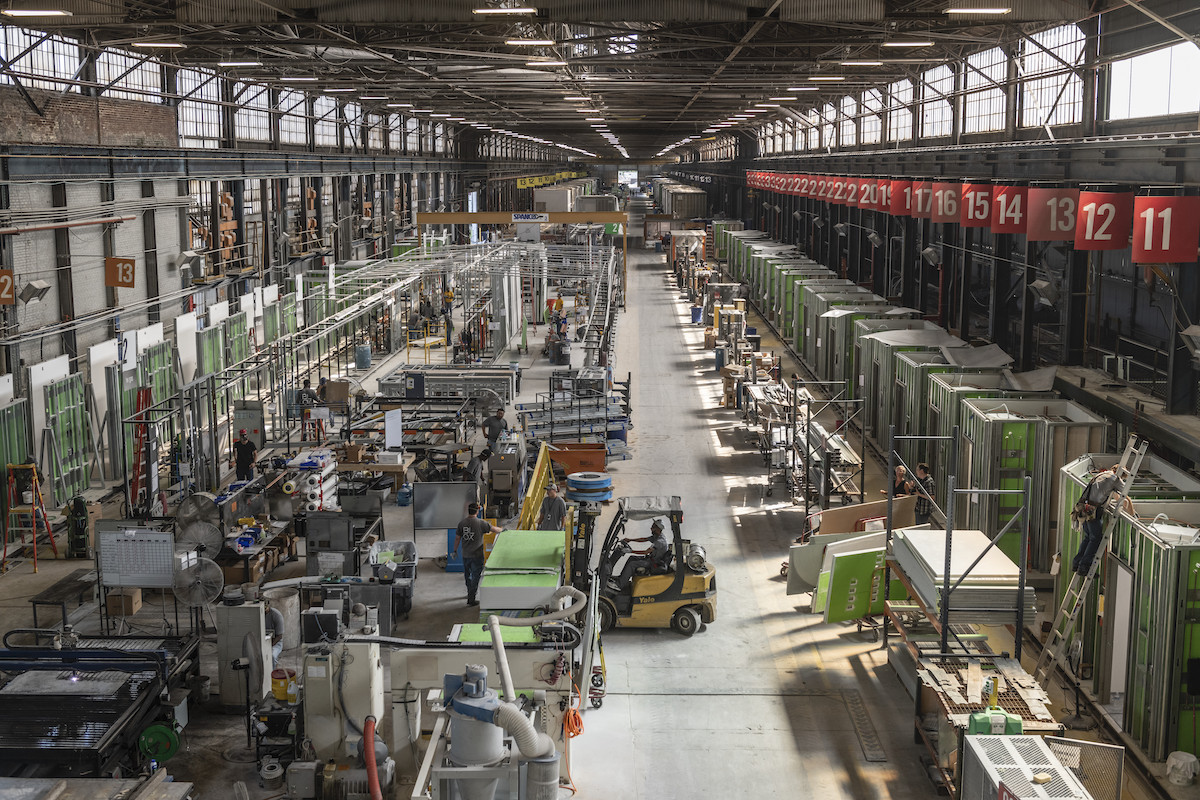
[1075,596]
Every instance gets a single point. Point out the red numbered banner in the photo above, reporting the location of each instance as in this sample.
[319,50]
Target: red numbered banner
[1009,209]
[867,187]
[8,288]
[901,197]
[794,185]
[807,184]
[1052,215]
[883,195]
[976,205]
[922,199]
[945,202]
[1104,220]
[1165,229]
[837,191]
[821,190]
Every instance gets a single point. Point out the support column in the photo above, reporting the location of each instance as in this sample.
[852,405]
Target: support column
[150,253]
[62,272]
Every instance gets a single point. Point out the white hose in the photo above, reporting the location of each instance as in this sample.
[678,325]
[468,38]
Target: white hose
[530,741]
[579,598]
[510,694]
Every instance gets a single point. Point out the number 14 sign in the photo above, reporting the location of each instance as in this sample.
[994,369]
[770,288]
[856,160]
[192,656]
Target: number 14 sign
[1165,229]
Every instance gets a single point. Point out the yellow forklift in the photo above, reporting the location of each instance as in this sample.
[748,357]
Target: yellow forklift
[679,590]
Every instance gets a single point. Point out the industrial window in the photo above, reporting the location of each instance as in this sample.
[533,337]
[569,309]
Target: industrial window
[900,118]
[937,114]
[395,133]
[814,129]
[252,117]
[325,122]
[352,116]
[847,129]
[623,44]
[1155,84]
[1052,92]
[984,100]
[128,76]
[828,129]
[870,121]
[412,135]
[789,135]
[199,112]
[293,117]
[374,132]
[39,61]
[439,138]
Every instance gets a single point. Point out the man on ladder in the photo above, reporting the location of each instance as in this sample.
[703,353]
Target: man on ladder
[1109,488]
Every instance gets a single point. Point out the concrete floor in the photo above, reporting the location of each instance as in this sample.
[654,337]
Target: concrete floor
[767,701]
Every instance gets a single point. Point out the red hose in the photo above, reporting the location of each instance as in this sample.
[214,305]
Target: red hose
[369,758]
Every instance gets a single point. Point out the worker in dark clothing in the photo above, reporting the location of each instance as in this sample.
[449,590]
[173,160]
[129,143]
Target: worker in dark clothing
[655,558]
[553,513]
[923,488]
[900,484]
[494,427]
[307,398]
[473,471]
[245,453]
[1089,512]
[469,537]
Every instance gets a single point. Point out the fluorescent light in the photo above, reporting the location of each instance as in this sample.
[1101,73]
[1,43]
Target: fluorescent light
[239,63]
[862,63]
[995,10]
[827,78]
[530,42]
[295,79]
[395,105]
[802,88]
[457,119]
[545,63]
[446,116]
[781,99]
[577,97]
[907,44]
[514,10]
[171,45]
[35,12]
[593,119]
[421,110]
[588,110]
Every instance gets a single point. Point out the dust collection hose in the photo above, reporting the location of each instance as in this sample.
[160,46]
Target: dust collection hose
[369,759]
[531,742]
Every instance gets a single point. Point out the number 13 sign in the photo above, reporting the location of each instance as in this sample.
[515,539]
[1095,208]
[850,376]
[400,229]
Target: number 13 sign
[1165,229]
[119,272]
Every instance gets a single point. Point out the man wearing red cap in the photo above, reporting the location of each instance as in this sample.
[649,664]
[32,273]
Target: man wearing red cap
[245,453]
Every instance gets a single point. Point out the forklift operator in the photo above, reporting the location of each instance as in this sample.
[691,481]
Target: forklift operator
[656,557]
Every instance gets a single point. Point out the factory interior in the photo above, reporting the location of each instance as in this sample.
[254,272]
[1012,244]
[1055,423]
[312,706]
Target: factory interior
[383,387]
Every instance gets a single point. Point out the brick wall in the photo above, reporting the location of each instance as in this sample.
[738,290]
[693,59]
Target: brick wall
[74,119]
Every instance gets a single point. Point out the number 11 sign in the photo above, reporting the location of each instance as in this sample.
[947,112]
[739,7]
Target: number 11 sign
[1165,229]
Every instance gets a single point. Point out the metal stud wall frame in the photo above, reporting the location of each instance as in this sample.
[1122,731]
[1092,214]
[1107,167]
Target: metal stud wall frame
[66,442]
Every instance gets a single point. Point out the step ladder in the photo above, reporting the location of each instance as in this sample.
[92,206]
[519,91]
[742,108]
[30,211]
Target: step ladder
[1075,597]
[140,480]
[23,517]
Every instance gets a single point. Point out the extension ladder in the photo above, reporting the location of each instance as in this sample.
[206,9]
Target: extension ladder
[1075,597]
[23,517]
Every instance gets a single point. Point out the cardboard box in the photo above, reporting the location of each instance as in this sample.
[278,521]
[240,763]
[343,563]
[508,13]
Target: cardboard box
[123,602]
[337,391]
[355,452]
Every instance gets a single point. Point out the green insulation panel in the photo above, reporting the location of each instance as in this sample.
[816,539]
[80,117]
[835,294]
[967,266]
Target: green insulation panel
[805,323]
[721,230]
[855,345]
[14,437]
[819,302]
[791,274]
[271,323]
[855,586]
[69,440]
[156,369]
[237,338]
[1006,440]
[288,320]
[210,350]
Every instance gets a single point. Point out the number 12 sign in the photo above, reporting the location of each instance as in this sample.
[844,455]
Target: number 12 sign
[1165,229]
[1105,219]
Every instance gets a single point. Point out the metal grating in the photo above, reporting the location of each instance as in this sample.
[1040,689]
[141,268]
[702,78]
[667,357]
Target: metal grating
[1097,766]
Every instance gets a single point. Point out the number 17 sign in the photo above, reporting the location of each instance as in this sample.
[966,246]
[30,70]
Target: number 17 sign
[1165,229]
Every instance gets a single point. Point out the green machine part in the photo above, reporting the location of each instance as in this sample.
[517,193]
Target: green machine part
[994,720]
[159,741]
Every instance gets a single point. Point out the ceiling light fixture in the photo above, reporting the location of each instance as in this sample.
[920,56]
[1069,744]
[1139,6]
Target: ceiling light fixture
[239,63]
[421,110]
[545,63]
[167,45]
[336,90]
[802,88]
[900,43]
[398,105]
[35,12]
[992,10]
[827,78]
[442,116]
[512,11]
[781,99]
[297,79]
[593,119]
[530,42]
[862,63]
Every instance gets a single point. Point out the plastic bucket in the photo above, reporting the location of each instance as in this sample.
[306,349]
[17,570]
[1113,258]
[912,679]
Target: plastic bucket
[280,678]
